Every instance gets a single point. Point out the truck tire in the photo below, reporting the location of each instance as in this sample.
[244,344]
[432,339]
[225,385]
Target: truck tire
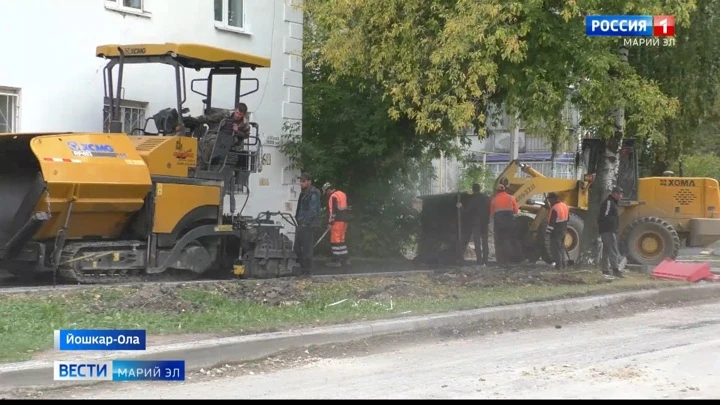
[529,249]
[575,228]
[649,241]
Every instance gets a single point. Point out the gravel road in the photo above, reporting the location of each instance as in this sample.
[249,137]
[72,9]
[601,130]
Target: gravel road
[663,353]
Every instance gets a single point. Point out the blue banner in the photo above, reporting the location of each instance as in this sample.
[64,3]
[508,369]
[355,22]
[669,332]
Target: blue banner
[148,370]
[120,370]
[99,339]
[83,371]
[619,26]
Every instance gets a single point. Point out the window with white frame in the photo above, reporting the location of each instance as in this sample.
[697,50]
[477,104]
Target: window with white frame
[230,14]
[9,109]
[132,115]
[132,6]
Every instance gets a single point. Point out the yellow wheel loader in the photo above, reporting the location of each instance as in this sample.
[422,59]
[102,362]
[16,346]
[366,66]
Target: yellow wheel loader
[656,213]
[110,207]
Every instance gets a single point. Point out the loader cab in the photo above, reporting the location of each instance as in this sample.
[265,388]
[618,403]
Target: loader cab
[240,158]
[592,153]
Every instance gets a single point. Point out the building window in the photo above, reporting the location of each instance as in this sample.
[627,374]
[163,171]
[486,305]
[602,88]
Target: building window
[132,115]
[230,14]
[136,4]
[136,7]
[9,109]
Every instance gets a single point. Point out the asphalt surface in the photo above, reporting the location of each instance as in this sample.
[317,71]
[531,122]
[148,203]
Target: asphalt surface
[668,353]
[362,267]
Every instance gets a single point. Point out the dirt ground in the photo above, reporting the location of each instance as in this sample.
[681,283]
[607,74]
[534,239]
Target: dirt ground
[382,344]
[167,298]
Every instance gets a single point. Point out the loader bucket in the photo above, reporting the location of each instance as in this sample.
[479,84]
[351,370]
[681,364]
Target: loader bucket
[93,183]
[439,237]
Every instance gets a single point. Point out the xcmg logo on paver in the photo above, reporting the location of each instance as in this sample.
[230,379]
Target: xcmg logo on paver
[91,147]
[92,150]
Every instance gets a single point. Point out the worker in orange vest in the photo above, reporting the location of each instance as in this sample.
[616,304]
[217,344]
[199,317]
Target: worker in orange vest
[503,209]
[556,229]
[337,225]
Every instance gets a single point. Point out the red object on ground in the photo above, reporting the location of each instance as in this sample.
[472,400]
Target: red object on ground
[693,272]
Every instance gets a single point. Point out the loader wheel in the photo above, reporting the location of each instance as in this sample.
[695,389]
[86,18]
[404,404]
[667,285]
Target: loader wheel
[649,241]
[575,228]
[529,249]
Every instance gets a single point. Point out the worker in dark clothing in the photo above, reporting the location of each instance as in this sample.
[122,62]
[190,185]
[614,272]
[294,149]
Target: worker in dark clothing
[475,218]
[235,123]
[556,229]
[608,222]
[503,209]
[306,215]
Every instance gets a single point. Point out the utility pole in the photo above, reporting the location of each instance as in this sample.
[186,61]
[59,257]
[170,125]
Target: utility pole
[441,173]
[515,139]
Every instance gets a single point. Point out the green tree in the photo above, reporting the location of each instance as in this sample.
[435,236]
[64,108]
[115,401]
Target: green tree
[349,140]
[473,172]
[441,63]
[690,72]
[705,165]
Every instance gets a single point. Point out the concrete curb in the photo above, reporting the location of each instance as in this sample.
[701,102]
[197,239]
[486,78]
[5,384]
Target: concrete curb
[209,353]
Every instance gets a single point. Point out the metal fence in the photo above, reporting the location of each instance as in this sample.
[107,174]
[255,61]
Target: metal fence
[563,170]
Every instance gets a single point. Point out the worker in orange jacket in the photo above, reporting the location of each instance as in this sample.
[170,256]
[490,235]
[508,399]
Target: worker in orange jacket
[337,225]
[503,209]
[556,229]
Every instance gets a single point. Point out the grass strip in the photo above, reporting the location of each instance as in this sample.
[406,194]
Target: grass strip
[27,321]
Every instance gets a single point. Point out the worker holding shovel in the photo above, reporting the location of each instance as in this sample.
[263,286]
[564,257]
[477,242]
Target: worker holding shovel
[556,229]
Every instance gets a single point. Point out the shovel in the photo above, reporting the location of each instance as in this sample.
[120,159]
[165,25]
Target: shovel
[321,238]
[570,262]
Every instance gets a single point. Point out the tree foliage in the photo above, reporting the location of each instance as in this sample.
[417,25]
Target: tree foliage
[441,62]
[348,139]
[689,72]
[702,165]
[473,172]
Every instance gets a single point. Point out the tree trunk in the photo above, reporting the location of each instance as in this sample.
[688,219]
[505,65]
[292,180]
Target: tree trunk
[553,155]
[605,179]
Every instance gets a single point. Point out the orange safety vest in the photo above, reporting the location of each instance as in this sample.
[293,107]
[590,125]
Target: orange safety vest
[337,205]
[503,202]
[562,213]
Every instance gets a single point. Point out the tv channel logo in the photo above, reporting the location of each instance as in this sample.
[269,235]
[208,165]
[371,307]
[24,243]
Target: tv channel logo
[120,370]
[619,26]
[83,371]
[663,26]
[630,25]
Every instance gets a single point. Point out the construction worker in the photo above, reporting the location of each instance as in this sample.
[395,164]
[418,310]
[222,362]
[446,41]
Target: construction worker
[236,123]
[556,230]
[306,216]
[503,209]
[608,222]
[476,215]
[337,224]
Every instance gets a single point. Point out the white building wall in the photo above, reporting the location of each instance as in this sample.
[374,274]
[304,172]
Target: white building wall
[48,60]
